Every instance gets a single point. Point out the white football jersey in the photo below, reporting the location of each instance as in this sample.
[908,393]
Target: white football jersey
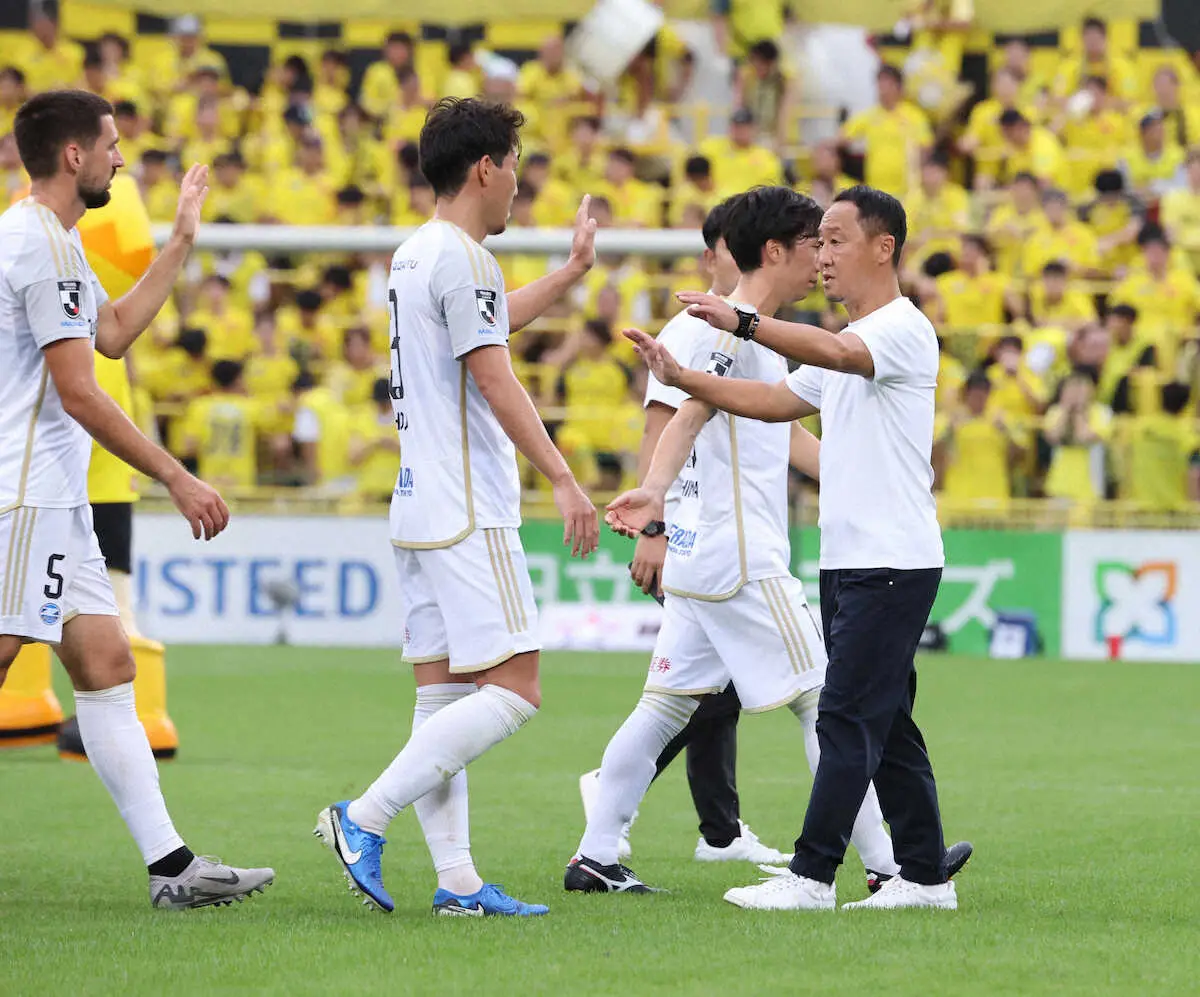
[458,468]
[732,528]
[47,293]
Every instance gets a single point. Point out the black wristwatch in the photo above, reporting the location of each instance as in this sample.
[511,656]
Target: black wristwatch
[747,322]
[654,528]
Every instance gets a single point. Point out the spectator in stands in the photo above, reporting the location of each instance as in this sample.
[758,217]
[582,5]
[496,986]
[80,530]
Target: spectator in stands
[1115,218]
[1180,211]
[634,204]
[305,194]
[157,183]
[738,24]
[12,96]
[230,329]
[827,180]
[321,432]
[188,55]
[1125,352]
[330,86]
[413,206]
[269,374]
[1161,451]
[982,137]
[738,162]
[52,61]
[1153,165]
[1166,296]
[181,373]
[1015,223]
[1052,301]
[351,378]
[382,80]
[975,449]
[12,174]
[405,114]
[973,297]
[207,143]
[1017,392]
[375,445]
[220,430]
[698,189]
[1064,237]
[581,165]
[1076,429]
[767,89]
[548,85]
[938,211]
[1027,149]
[203,85]
[1094,139]
[134,130]
[555,202]
[464,76]
[232,193]
[1032,89]
[1181,120]
[892,136]
[118,67]
[1097,60]
[365,161]
[310,335]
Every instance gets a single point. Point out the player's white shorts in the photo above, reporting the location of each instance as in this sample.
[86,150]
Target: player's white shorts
[51,570]
[472,602]
[764,639]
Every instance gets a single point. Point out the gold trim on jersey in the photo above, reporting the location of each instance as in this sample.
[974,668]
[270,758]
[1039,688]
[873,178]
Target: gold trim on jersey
[18,521]
[466,452]
[23,480]
[787,700]
[502,583]
[60,243]
[789,642]
[514,578]
[485,665]
[741,530]
[16,567]
[708,690]
[424,659]
[793,620]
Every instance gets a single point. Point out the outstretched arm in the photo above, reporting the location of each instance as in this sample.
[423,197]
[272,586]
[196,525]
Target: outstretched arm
[808,344]
[526,303]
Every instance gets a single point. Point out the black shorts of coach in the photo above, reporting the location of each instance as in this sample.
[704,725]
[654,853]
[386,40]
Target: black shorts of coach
[873,620]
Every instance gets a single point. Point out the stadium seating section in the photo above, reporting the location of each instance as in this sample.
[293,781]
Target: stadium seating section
[1052,184]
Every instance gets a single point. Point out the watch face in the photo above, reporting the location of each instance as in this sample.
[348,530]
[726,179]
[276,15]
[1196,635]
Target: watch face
[655,528]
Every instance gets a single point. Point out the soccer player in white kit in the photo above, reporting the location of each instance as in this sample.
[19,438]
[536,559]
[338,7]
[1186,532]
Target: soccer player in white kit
[733,610]
[54,587]
[467,609]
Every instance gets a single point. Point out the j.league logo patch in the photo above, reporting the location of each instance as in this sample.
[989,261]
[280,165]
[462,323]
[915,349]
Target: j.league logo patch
[485,301]
[70,295]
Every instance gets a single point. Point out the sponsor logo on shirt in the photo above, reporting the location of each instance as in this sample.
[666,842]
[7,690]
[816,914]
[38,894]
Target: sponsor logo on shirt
[660,665]
[404,482]
[719,364]
[485,301]
[680,541]
[70,296]
[690,488]
[50,613]
[403,265]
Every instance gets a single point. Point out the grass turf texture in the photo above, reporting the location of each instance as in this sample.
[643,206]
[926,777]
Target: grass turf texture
[1075,782]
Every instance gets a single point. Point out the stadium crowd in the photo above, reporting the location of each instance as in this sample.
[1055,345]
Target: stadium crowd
[1054,217]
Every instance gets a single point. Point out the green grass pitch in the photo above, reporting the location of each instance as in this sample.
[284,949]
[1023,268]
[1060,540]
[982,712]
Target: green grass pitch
[1076,782]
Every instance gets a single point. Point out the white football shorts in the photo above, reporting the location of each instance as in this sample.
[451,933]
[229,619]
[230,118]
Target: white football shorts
[51,570]
[764,639]
[472,602]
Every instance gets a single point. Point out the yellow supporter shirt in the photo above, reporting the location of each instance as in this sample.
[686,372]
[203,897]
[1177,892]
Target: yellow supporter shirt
[222,431]
[53,68]
[685,194]
[181,119]
[593,391]
[1074,244]
[634,203]
[586,177]
[550,95]
[556,204]
[230,334]
[893,141]
[324,338]
[1072,310]
[1010,232]
[977,467]
[1145,172]
[404,124]
[299,198]
[1070,475]
[375,433]
[325,421]
[353,387]
[735,169]
[1042,157]
[983,128]
[752,21]
[972,302]
[243,202]
[161,200]
[1017,397]
[1117,70]
[1180,213]
[380,89]
[939,219]
[1094,143]
[1162,449]
[1166,309]
[269,381]
[950,379]
[1107,220]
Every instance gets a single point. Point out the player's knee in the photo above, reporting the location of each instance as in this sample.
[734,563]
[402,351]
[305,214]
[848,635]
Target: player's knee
[113,667]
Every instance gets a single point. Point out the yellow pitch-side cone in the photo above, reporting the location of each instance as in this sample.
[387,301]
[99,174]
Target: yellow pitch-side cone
[150,692]
[29,711]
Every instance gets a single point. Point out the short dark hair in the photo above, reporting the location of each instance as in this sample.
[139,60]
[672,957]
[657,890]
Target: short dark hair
[765,49]
[1097,81]
[1109,182]
[457,52]
[125,109]
[1025,177]
[226,372]
[525,192]
[1127,312]
[356,332]
[309,300]
[399,38]
[878,212]
[458,133]
[154,157]
[697,166]
[978,378]
[713,228]
[1096,24]
[937,264]
[763,214]
[624,154]
[339,277]
[979,242]
[600,329]
[1055,268]
[14,74]
[1012,117]
[892,73]
[1152,233]
[47,122]
[1175,397]
[193,342]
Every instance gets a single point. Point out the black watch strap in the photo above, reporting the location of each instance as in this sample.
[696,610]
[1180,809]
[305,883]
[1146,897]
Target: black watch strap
[654,528]
[747,322]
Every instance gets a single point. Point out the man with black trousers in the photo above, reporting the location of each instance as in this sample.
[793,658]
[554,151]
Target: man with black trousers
[881,547]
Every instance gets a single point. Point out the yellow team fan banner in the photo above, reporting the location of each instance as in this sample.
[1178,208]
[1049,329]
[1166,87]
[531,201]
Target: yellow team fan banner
[877,15]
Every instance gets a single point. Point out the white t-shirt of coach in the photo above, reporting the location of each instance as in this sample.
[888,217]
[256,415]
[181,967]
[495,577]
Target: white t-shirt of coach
[876,499]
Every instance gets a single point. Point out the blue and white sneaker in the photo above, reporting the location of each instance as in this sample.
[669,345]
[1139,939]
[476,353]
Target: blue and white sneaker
[491,901]
[358,851]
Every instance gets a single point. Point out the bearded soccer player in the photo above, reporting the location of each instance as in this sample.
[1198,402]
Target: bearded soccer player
[467,609]
[54,587]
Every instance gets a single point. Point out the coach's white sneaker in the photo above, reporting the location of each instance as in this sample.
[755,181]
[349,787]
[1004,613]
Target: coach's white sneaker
[898,892]
[784,892]
[589,790]
[744,848]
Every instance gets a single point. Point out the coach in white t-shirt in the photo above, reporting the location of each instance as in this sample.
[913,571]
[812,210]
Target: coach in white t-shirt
[881,548]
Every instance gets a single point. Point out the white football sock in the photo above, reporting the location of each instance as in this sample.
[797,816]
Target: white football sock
[116,745]
[442,812]
[438,750]
[868,837]
[628,769]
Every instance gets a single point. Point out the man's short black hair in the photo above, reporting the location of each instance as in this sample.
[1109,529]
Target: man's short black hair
[457,52]
[1012,117]
[1175,397]
[48,122]
[399,38]
[339,277]
[1127,312]
[1095,23]
[1025,177]
[193,342]
[977,379]
[458,133]
[599,329]
[713,228]
[537,159]
[1110,182]
[153,157]
[226,372]
[763,214]
[309,300]
[624,154]
[697,166]
[878,212]
[937,264]
[14,74]
[892,73]
[766,50]
[1055,268]
[125,109]
[525,192]
[1151,233]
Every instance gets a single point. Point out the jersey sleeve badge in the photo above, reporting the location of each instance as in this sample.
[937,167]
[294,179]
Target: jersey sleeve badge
[70,295]
[485,301]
